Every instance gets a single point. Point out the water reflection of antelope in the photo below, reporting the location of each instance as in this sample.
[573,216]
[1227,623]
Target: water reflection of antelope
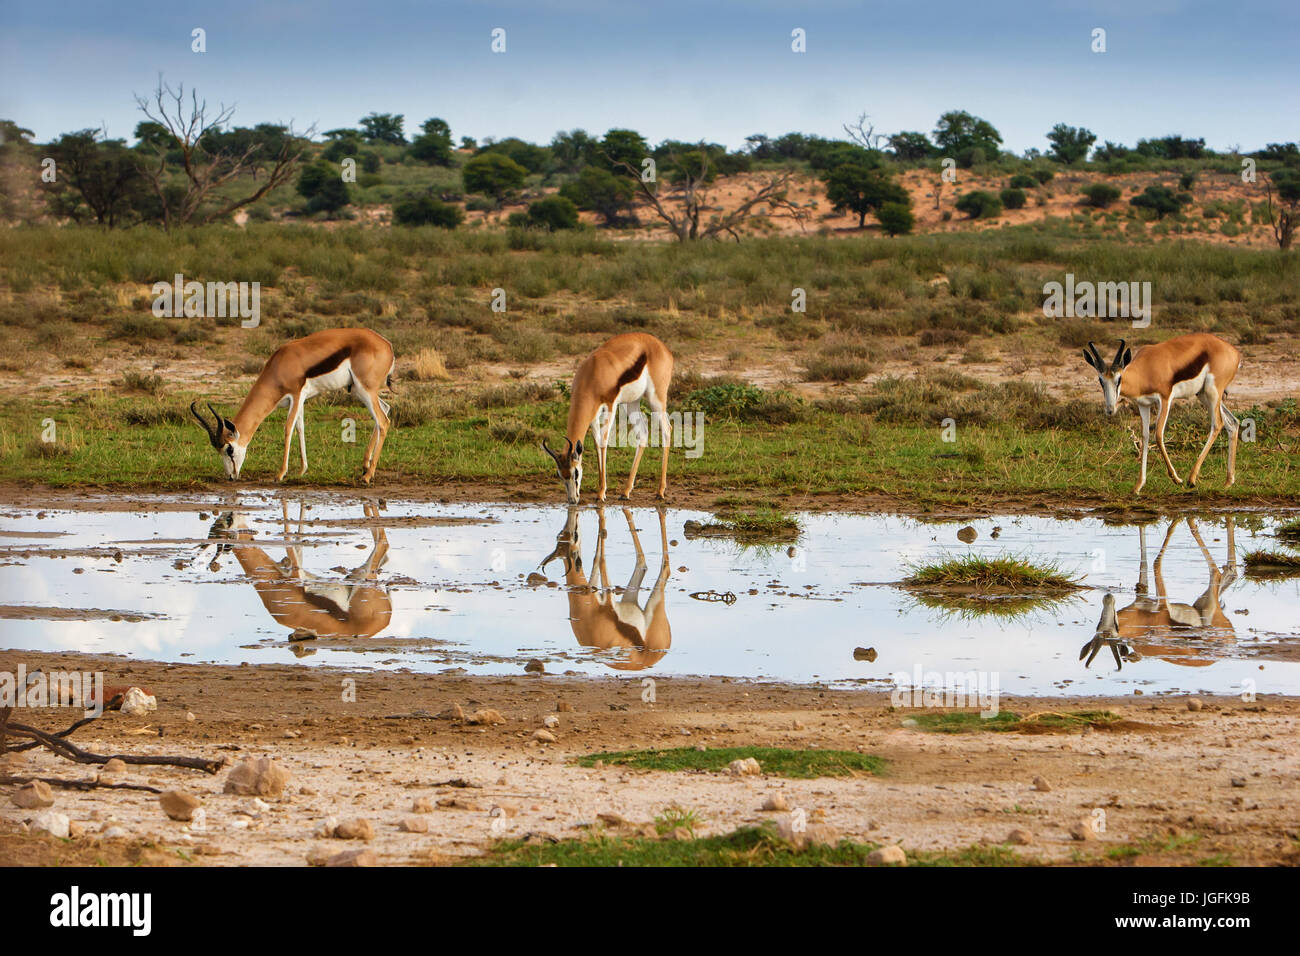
[310,605]
[1145,627]
[599,618]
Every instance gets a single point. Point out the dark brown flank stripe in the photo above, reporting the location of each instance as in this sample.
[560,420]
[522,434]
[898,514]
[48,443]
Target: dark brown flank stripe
[329,363]
[631,375]
[1192,368]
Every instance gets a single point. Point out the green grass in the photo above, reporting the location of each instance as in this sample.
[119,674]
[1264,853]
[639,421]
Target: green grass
[1290,529]
[961,722]
[1272,564]
[749,846]
[775,761]
[761,525]
[985,574]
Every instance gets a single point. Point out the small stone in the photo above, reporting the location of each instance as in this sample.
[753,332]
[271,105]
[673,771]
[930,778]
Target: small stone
[356,829]
[179,805]
[1195,703]
[967,534]
[1042,785]
[136,703]
[422,805]
[533,580]
[535,667]
[776,802]
[55,824]
[414,825]
[563,706]
[261,777]
[744,767]
[864,654]
[353,858]
[1020,837]
[113,832]
[487,716]
[114,765]
[887,856]
[326,827]
[33,796]
[1238,781]
[1082,831]
[797,725]
[189,717]
[76,830]
[545,736]
[551,721]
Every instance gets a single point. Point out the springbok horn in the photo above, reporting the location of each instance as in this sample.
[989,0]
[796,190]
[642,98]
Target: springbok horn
[1120,354]
[547,448]
[220,422]
[1097,355]
[201,420]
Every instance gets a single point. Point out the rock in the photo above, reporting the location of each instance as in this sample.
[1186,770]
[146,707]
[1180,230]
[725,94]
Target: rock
[1020,837]
[414,825]
[326,827]
[1238,781]
[1082,831]
[51,822]
[33,796]
[179,805]
[261,777]
[1195,703]
[1042,785]
[454,712]
[807,835]
[679,833]
[535,667]
[355,829]
[744,767]
[114,765]
[459,803]
[563,706]
[136,703]
[887,856]
[76,830]
[545,736]
[353,858]
[864,654]
[797,725]
[967,534]
[535,579]
[486,716]
[422,805]
[318,856]
[189,717]
[551,721]
[113,832]
[775,802]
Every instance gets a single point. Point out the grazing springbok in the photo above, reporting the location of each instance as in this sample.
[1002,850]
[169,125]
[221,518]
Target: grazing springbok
[623,371]
[1200,365]
[309,605]
[358,360]
[1143,628]
[597,619]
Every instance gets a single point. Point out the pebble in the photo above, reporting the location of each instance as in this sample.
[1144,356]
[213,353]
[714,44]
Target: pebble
[486,716]
[551,721]
[535,667]
[1082,831]
[136,703]
[1195,703]
[356,829]
[115,765]
[422,805]
[51,822]
[261,777]
[967,534]
[563,706]
[353,858]
[33,796]
[887,856]
[776,802]
[545,736]
[864,654]
[1020,837]
[414,825]
[744,767]
[1042,785]
[179,805]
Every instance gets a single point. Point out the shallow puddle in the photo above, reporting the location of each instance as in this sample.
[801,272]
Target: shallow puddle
[433,587]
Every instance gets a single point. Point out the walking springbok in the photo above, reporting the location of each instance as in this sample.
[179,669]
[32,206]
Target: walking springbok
[310,606]
[623,371]
[1142,629]
[1200,365]
[358,360]
[597,619]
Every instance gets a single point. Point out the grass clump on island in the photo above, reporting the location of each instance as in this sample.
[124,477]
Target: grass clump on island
[961,722]
[747,846]
[776,761]
[1290,530]
[761,525]
[1272,564]
[1004,573]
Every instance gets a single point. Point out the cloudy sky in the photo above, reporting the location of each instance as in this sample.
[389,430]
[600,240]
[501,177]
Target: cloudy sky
[686,70]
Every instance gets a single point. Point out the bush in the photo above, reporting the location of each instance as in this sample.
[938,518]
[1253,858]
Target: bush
[552,213]
[1013,198]
[1044,176]
[1186,181]
[1161,200]
[1023,181]
[979,204]
[323,187]
[896,218]
[493,174]
[415,210]
[1100,195]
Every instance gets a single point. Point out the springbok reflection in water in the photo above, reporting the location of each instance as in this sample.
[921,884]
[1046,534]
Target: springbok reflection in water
[1152,626]
[309,605]
[604,620]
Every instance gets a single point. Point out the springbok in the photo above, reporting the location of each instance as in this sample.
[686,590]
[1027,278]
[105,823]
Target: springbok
[310,606]
[623,371]
[597,619]
[358,360]
[1142,629]
[1199,364]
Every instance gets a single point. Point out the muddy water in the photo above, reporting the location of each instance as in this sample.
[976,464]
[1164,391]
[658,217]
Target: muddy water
[435,587]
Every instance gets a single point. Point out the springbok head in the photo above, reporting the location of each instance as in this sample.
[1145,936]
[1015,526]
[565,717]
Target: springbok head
[224,437]
[568,465]
[1109,375]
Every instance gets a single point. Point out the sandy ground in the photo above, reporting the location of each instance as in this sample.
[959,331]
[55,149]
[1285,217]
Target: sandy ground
[1212,784]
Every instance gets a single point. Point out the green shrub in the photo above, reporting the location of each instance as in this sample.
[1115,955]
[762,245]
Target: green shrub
[896,218]
[1023,181]
[979,204]
[417,210]
[1013,198]
[552,213]
[1100,195]
[1044,176]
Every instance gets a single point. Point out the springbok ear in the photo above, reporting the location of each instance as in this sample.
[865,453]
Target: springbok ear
[1087,357]
[1128,357]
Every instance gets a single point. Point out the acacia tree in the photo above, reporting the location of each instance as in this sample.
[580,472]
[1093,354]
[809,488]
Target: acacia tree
[682,204]
[1286,218]
[99,179]
[209,160]
[1070,143]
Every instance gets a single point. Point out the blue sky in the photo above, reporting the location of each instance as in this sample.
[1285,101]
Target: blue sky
[687,70]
